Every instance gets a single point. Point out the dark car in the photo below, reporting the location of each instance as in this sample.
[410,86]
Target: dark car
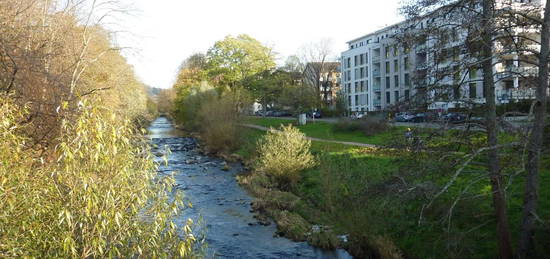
[419,117]
[281,114]
[454,117]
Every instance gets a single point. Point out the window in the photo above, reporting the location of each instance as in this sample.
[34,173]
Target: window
[396,93]
[388,84]
[362,86]
[387,67]
[356,87]
[407,95]
[362,72]
[361,59]
[407,80]
[348,62]
[387,97]
[367,86]
[473,90]
[387,49]
[473,73]
[356,99]
[406,63]
[349,101]
[355,61]
[395,51]
[356,76]
[396,80]
[367,57]
[396,66]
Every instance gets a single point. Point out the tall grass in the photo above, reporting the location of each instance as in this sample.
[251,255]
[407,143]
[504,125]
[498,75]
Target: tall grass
[95,194]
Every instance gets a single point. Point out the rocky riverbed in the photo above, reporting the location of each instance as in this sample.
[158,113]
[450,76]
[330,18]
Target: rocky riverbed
[220,205]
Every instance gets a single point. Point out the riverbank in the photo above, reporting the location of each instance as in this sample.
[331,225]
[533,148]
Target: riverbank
[384,200]
[226,219]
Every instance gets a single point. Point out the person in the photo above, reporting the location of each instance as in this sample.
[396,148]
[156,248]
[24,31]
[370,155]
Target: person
[408,134]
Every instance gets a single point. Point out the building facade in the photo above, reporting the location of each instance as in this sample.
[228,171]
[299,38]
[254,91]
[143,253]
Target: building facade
[325,78]
[381,72]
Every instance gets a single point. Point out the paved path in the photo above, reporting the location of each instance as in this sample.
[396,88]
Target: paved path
[357,144]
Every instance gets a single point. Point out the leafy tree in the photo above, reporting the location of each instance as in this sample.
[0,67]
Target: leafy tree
[233,59]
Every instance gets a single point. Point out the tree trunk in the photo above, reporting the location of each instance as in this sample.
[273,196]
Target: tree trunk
[499,200]
[535,145]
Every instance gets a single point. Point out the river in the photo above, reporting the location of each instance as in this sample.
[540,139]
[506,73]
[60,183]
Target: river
[220,204]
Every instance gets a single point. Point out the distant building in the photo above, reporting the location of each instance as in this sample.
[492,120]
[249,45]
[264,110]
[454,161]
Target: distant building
[379,75]
[325,77]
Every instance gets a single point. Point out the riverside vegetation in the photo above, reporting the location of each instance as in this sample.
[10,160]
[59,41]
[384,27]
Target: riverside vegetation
[76,176]
[428,196]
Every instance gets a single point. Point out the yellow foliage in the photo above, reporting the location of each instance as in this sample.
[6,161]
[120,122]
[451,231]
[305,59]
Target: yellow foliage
[95,195]
[284,154]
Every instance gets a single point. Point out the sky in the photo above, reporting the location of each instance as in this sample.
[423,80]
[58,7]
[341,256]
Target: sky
[160,34]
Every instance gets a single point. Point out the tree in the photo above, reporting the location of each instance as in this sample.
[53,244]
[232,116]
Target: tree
[293,64]
[535,141]
[233,59]
[491,34]
[316,56]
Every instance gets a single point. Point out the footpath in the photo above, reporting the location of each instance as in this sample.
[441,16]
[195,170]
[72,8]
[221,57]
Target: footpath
[252,126]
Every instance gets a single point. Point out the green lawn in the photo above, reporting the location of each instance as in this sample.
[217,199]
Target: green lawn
[378,193]
[324,130]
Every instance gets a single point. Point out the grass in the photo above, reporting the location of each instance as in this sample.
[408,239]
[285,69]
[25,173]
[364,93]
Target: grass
[325,130]
[378,195]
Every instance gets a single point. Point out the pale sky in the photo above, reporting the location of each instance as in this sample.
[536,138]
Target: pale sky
[162,33]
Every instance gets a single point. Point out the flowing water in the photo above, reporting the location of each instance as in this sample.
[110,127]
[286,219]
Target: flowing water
[221,204]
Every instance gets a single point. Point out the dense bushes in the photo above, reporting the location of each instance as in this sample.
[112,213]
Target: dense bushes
[216,116]
[283,154]
[94,195]
[369,126]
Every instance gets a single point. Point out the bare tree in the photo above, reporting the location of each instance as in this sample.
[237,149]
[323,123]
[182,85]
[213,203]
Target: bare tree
[318,57]
[534,146]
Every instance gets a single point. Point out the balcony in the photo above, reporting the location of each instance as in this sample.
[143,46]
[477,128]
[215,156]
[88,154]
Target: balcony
[376,87]
[376,73]
[514,71]
[376,59]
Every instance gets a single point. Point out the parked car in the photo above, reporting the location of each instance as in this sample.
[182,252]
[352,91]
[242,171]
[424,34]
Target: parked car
[315,114]
[281,114]
[454,117]
[403,117]
[419,117]
[357,116]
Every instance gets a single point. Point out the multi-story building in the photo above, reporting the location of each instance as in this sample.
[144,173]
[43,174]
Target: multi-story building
[326,76]
[380,73]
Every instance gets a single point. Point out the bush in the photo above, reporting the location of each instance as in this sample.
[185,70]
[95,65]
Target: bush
[284,154]
[369,126]
[219,124]
[95,195]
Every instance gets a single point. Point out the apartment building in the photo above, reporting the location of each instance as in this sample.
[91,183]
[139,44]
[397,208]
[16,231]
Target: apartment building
[326,76]
[379,72]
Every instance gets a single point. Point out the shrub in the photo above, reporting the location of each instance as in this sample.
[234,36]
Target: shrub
[369,126]
[219,124]
[284,154]
[95,195]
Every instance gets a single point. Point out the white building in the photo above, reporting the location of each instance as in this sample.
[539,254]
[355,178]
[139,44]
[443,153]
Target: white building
[377,74]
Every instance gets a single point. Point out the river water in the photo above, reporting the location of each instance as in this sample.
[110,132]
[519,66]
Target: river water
[220,204]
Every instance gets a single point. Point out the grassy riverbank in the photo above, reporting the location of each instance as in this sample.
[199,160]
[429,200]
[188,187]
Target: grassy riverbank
[328,131]
[380,197]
